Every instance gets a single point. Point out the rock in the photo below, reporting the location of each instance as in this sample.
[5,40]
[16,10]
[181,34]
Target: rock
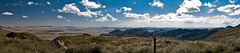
[59,44]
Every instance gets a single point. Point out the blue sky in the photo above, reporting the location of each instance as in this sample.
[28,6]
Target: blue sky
[120,13]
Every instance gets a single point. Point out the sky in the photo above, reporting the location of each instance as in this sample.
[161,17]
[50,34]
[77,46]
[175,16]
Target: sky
[120,13]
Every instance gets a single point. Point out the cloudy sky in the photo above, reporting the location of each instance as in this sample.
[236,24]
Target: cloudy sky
[121,13]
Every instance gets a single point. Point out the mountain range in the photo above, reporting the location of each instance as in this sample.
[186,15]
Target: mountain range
[179,33]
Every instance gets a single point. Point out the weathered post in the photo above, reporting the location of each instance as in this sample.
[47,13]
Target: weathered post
[154,44]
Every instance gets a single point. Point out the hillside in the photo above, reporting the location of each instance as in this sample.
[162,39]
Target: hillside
[3,32]
[229,36]
[226,33]
[102,44]
[185,34]
[188,34]
[141,32]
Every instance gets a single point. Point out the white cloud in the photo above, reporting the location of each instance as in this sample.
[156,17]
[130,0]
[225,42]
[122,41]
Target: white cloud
[48,3]
[106,18]
[172,17]
[138,17]
[210,10]
[157,4]
[173,20]
[91,4]
[60,17]
[126,9]
[87,13]
[232,1]
[104,6]
[32,3]
[7,13]
[63,18]
[69,8]
[118,10]
[134,15]
[230,9]
[209,5]
[24,16]
[189,6]
[68,20]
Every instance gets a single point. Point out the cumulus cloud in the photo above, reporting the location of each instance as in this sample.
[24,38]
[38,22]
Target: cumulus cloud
[60,17]
[63,18]
[48,3]
[91,4]
[68,20]
[134,15]
[189,6]
[230,9]
[71,8]
[232,1]
[185,20]
[138,17]
[210,10]
[104,6]
[24,16]
[87,13]
[209,5]
[7,13]
[106,18]
[126,9]
[32,3]
[172,17]
[118,10]
[157,3]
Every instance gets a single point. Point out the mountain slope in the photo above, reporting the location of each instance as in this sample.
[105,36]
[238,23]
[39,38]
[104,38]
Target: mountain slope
[130,32]
[226,33]
[188,34]
[228,36]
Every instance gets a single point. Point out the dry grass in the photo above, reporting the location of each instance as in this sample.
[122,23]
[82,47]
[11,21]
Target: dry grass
[105,44]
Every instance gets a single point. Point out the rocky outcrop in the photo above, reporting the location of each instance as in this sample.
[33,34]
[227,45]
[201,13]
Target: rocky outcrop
[59,44]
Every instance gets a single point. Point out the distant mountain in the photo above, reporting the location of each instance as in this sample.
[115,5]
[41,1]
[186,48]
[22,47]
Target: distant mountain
[137,32]
[188,34]
[156,28]
[130,32]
